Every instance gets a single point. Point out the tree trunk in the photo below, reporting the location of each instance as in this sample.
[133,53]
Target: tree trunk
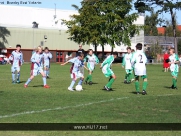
[174,30]
[112,49]
[102,52]
[95,49]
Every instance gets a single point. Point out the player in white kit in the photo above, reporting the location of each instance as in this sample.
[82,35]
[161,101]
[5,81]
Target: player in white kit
[139,61]
[16,60]
[46,57]
[37,67]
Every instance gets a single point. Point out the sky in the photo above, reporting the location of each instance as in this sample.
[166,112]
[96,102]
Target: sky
[64,4]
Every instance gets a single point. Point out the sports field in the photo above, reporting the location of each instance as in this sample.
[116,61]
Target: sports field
[92,105]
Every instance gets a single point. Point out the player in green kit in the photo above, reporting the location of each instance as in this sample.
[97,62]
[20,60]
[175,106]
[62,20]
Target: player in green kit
[107,71]
[139,62]
[92,61]
[174,67]
[127,65]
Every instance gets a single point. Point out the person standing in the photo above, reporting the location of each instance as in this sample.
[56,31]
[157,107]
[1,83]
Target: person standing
[174,67]
[47,56]
[165,62]
[80,50]
[16,60]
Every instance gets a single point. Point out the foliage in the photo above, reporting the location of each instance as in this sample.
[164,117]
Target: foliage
[179,46]
[155,49]
[4,32]
[102,22]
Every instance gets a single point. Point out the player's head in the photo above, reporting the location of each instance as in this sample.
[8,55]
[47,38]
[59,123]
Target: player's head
[81,56]
[132,50]
[115,54]
[139,46]
[80,46]
[172,50]
[90,51]
[18,47]
[128,49]
[39,49]
[46,49]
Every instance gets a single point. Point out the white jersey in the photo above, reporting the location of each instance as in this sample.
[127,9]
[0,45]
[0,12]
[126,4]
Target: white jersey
[174,67]
[46,58]
[127,61]
[16,58]
[35,58]
[92,60]
[139,61]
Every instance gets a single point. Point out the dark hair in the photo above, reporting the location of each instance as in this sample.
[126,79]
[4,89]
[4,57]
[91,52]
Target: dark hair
[128,48]
[46,48]
[115,53]
[132,50]
[139,46]
[90,50]
[172,49]
[81,54]
[18,45]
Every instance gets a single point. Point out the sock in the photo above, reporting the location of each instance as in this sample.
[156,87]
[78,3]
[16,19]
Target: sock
[48,72]
[145,83]
[137,86]
[80,82]
[87,78]
[125,77]
[109,84]
[44,81]
[129,77]
[28,81]
[18,75]
[174,82]
[13,76]
[90,78]
[110,78]
[132,75]
[72,84]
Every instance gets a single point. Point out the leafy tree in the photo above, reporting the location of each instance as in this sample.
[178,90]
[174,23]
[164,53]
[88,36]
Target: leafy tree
[179,46]
[4,32]
[161,6]
[102,22]
[151,23]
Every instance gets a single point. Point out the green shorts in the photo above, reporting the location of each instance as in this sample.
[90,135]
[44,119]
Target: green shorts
[174,74]
[129,71]
[109,73]
[143,77]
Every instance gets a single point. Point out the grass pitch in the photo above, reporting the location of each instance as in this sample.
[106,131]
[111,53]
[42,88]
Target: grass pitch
[92,105]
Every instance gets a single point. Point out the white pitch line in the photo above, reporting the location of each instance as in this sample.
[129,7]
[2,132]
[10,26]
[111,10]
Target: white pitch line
[59,108]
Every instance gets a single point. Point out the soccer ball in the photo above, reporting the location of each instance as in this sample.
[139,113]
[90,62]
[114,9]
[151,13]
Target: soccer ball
[78,88]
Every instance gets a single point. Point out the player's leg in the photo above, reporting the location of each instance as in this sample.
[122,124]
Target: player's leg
[113,78]
[44,79]
[13,70]
[132,76]
[18,75]
[174,80]
[73,77]
[30,79]
[48,71]
[137,85]
[145,84]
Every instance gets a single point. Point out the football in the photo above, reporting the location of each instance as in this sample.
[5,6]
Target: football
[78,88]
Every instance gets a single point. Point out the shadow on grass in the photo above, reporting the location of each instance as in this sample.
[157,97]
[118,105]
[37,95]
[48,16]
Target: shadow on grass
[1,91]
[134,92]
[38,86]
[168,87]
[22,82]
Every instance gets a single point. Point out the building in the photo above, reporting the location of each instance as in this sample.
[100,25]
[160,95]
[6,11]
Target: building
[161,30]
[32,27]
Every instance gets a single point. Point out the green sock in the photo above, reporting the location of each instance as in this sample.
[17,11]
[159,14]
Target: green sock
[125,77]
[137,86]
[145,83]
[132,75]
[129,77]
[174,82]
[109,84]
[90,78]
[87,78]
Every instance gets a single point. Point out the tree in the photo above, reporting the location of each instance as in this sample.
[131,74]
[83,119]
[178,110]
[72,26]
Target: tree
[179,46]
[161,6]
[4,32]
[102,22]
[151,23]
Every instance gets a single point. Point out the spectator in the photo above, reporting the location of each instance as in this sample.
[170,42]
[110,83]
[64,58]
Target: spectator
[165,61]
[80,50]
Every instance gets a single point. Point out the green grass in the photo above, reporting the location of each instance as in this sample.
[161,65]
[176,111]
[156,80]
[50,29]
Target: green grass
[161,105]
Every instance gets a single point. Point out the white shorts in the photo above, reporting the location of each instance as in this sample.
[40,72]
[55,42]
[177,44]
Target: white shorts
[13,69]
[36,71]
[76,75]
